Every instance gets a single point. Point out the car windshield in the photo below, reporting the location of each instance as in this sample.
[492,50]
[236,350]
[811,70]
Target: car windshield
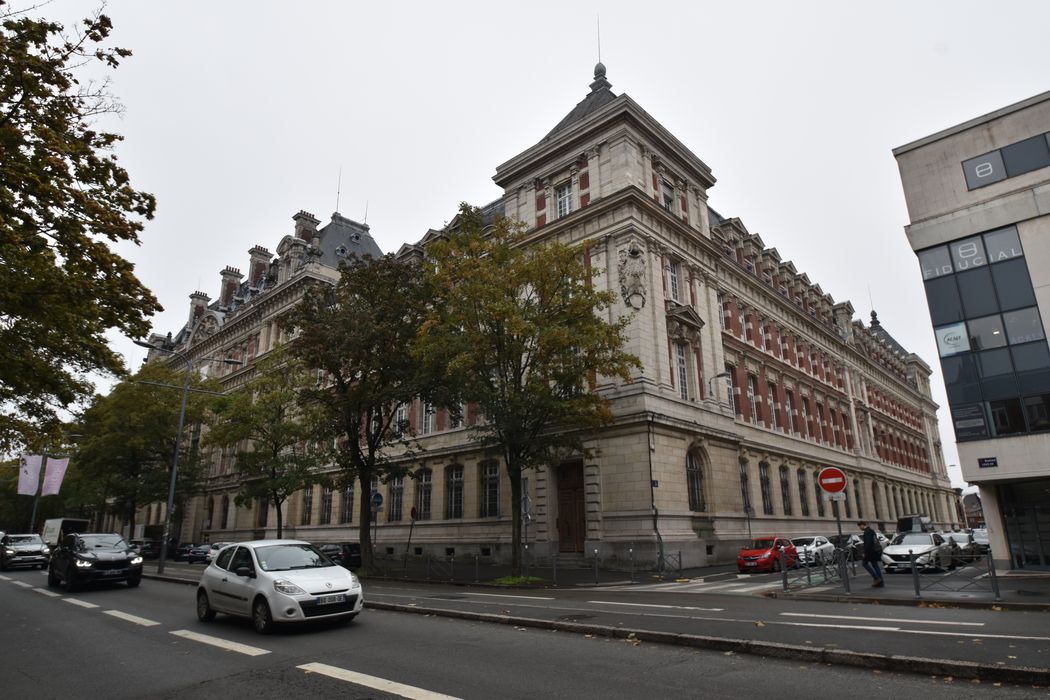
[285,557]
[911,538]
[761,544]
[24,539]
[803,541]
[92,541]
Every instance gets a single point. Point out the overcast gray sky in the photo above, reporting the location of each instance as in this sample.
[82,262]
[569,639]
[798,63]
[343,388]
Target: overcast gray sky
[239,114]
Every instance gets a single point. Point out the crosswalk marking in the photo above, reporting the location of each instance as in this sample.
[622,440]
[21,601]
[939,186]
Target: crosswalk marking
[738,587]
[221,643]
[654,605]
[381,684]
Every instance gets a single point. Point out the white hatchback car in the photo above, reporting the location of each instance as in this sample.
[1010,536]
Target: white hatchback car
[814,549]
[275,581]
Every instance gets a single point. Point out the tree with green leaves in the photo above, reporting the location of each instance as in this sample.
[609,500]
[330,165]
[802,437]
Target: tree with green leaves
[64,200]
[358,333]
[523,335]
[124,456]
[270,429]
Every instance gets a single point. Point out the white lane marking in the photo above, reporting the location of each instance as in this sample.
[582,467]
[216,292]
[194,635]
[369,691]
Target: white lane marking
[81,603]
[405,691]
[938,633]
[500,595]
[23,584]
[653,605]
[131,618]
[50,594]
[5,578]
[886,619]
[757,588]
[705,589]
[221,643]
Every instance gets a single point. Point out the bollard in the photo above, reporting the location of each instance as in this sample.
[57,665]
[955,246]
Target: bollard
[914,573]
[809,572]
[404,566]
[783,569]
[844,571]
[554,568]
[476,560]
[630,555]
[452,568]
[525,561]
[596,567]
[993,577]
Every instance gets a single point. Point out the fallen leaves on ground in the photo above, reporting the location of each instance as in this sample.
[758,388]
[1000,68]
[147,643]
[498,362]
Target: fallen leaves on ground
[759,623]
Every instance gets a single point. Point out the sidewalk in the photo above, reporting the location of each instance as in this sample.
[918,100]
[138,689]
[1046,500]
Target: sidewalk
[1018,590]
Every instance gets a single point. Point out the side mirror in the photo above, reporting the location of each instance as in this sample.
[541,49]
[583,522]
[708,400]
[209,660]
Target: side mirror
[246,571]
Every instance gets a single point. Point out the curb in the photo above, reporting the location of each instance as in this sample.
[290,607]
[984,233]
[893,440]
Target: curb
[841,657]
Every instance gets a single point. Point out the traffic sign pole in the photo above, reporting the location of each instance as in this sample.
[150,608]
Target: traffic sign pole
[832,481]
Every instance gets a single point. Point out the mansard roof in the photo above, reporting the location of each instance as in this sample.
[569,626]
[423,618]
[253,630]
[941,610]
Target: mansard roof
[880,333]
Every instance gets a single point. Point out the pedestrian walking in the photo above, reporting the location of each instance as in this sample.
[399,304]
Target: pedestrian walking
[872,554]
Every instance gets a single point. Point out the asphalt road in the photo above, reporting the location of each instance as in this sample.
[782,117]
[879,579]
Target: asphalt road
[147,642]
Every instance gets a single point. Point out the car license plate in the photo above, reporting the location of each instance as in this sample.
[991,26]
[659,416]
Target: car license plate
[329,599]
[114,572]
[750,563]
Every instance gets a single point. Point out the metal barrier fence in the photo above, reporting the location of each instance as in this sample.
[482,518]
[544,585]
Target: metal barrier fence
[818,569]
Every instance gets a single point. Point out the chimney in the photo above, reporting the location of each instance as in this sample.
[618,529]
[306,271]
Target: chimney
[305,225]
[258,265]
[198,305]
[231,278]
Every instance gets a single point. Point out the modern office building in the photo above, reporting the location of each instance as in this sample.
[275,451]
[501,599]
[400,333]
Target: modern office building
[753,378]
[978,198]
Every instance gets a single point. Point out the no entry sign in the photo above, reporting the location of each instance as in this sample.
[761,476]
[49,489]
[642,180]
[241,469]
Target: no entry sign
[832,479]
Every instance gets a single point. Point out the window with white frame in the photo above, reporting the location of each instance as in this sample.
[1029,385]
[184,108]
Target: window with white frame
[752,396]
[760,341]
[489,489]
[668,195]
[454,492]
[563,196]
[681,353]
[397,499]
[771,400]
[427,422]
[400,419]
[721,312]
[674,270]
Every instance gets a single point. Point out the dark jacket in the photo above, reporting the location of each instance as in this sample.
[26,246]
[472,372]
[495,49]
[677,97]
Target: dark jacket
[872,549]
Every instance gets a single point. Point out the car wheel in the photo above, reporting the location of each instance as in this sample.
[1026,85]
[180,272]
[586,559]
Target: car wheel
[3,565]
[134,582]
[52,578]
[204,611]
[262,619]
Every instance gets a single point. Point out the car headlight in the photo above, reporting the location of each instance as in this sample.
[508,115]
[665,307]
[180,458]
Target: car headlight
[136,560]
[9,552]
[287,587]
[353,579]
[83,564]
[45,550]
[767,555]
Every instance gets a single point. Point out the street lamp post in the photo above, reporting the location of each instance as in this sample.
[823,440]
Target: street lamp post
[168,513]
[710,388]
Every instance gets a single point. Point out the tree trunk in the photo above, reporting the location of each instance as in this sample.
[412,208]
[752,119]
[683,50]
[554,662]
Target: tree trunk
[365,530]
[515,514]
[280,518]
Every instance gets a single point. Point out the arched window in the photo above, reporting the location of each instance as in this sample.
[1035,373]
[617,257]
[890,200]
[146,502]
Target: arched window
[767,488]
[210,510]
[424,479]
[785,489]
[224,516]
[803,493]
[694,474]
[453,491]
[820,498]
[745,487]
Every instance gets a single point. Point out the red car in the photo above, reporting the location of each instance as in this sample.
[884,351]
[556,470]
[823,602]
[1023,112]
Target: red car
[763,554]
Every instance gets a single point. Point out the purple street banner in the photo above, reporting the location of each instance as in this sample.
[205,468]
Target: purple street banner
[53,475]
[29,475]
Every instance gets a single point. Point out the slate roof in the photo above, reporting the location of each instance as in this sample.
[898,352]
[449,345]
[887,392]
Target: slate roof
[879,332]
[599,96]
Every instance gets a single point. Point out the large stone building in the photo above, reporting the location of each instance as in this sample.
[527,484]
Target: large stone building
[978,198]
[752,380]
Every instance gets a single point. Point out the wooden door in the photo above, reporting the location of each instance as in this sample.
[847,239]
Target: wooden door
[572,520]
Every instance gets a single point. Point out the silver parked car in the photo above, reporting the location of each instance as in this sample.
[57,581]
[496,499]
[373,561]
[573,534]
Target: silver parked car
[814,549]
[930,549]
[276,581]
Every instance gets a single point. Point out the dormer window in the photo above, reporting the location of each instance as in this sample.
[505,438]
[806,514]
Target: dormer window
[563,196]
[668,195]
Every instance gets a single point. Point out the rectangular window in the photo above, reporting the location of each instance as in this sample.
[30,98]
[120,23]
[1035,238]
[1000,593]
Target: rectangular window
[803,491]
[820,498]
[308,505]
[454,492]
[681,360]
[695,483]
[401,419]
[745,487]
[423,494]
[760,341]
[789,409]
[427,422]
[326,505]
[395,507]
[668,195]
[785,490]
[489,490]
[674,269]
[771,398]
[348,505]
[563,196]
[721,312]
[767,494]
[752,397]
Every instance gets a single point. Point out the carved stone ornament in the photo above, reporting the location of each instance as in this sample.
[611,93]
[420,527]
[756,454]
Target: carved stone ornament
[632,274]
[206,328]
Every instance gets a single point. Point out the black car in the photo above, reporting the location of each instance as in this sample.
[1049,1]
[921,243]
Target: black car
[90,557]
[23,550]
[346,554]
[182,551]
